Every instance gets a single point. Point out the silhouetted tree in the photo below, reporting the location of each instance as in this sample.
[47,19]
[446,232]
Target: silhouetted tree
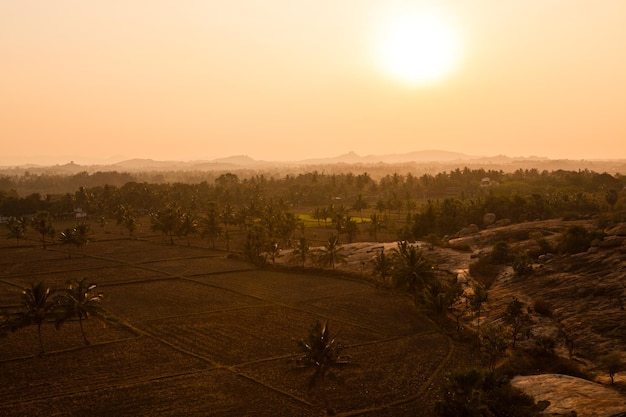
[79,300]
[332,253]
[42,223]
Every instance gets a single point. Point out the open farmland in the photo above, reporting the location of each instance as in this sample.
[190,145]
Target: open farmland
[213,336]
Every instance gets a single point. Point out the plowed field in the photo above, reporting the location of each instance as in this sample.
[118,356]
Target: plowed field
[214,336]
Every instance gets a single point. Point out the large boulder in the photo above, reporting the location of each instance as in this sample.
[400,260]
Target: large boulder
[469,230]
[489,219]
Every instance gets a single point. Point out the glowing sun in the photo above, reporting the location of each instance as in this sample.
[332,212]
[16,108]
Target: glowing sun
[419,48]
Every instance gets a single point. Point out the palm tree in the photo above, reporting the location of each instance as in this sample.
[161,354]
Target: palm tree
[359,205]
[332,253]
[477,299]
[81,232]
[166,221]
[301,251]
[81,300]
[37,308]
[410,269]
[68,238]
[321,354]
[273,250]
[42,222]
[17,228]
[188,225]
[375,224]
[210,225]
[382,265]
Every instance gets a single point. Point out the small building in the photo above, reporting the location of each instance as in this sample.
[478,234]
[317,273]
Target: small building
[79,213]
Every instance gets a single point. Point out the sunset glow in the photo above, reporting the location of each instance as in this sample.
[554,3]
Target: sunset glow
[418,48]
[285,80]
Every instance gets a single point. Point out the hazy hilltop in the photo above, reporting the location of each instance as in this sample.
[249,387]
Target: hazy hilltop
[418,163]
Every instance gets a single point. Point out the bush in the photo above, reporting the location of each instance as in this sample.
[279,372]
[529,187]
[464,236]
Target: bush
[484,271]
[474,393]
[575,239]
[544,308]
[501,252]
[522,265]
[545,345]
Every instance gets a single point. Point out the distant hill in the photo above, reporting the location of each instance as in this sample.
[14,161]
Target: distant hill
[425,160]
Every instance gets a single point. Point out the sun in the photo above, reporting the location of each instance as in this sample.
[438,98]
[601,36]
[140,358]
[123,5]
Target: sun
[418,48]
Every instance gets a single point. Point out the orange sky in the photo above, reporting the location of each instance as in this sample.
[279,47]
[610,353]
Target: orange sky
[283,80]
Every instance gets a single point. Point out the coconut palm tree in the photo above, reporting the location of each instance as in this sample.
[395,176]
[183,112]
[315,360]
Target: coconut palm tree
[302,250]
[82,233]
[68,238]
[332,253]
[37,309]
[411,270]
[272,250]
[375,224]
[359,205]
[210,225]
[382,265]
[166,221]
[79,300]
[42,222]
[321,354]
[16,227]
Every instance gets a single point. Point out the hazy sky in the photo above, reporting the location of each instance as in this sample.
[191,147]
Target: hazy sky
[289,79]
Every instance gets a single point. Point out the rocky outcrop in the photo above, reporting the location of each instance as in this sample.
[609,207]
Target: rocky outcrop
[565,395]
[619,230]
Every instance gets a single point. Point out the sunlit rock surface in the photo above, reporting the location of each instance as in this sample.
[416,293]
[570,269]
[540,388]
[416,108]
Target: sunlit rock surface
[567,394]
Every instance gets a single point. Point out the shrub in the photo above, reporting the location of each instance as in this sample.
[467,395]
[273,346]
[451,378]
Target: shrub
[522,265]
[501,252]
[544,308]
[575,239]
[474,393]
[484,271]
[545,345]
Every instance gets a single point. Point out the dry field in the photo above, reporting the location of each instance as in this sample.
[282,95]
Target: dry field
[214,337]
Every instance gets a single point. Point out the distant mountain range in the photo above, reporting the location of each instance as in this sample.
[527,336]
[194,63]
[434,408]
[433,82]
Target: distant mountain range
[443,159]
[244,161]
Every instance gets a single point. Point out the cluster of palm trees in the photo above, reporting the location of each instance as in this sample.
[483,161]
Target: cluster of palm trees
[79,300]
[41,222]
[77,236]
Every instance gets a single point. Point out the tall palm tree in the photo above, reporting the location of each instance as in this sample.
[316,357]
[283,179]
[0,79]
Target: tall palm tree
[210,225]
[302,250]
[375,224]
[321,354]
[42,222]
[82,233]
[16,227]
[79,300]
[359,205]
[166,221]
[68,238]
[382,265]
[37,308]
[411,270]
[332,253]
